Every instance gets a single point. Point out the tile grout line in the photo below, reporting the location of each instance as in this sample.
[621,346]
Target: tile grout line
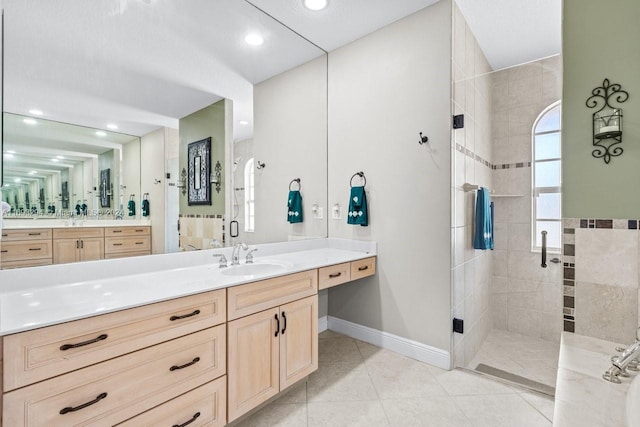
[537,410]
[364,362]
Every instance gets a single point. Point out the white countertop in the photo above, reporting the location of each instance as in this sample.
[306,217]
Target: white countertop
[583,397]
[42,296]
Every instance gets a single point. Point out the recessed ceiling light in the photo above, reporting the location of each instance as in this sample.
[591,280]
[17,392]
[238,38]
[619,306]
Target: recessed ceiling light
[11,152]
[244,122]
[101,133]
[315,4]
[60,157]
[33,172]
[17,180]
[112,126]
[36,112]
[30,121]
[8,155]
[254,39]
[55,160]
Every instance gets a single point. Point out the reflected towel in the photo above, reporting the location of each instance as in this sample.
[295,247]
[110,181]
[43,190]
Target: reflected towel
[132,208]
[78,209]
[294,207]
[145,208]
[483,235]
[358,214]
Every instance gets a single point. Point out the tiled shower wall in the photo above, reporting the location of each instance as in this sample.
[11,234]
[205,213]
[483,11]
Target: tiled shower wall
[601,275]
[471,156]
[200,230]
[525,298]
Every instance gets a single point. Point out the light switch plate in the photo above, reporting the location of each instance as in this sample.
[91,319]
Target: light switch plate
[336,212]
[319,213]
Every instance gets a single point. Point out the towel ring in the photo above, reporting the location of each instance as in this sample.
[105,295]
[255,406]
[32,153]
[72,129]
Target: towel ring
[361,175]
[145,196]
[132,196]
[295,180]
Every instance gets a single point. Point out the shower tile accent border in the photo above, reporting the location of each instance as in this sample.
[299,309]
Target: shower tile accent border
[568,257]
[487,163]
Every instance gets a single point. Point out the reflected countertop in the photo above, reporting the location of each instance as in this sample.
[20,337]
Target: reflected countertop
[43,296]
[583,397]
[19,224]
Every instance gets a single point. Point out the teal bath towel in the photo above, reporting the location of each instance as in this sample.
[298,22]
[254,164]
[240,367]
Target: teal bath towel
[132,208]
[358,207]
[294,207]
[483,236]
[145,208]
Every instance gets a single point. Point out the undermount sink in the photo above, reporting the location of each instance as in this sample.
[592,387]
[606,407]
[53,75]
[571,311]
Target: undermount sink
[253,269]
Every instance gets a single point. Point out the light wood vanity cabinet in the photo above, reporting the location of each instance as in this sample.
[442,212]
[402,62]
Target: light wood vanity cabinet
[272,349]
[25,248]
[122,242]
[77,244]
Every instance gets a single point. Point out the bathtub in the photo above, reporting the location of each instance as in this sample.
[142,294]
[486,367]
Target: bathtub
[633,403]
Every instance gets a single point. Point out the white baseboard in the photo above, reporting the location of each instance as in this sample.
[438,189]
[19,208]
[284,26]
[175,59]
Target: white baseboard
[322,324]
[413,349]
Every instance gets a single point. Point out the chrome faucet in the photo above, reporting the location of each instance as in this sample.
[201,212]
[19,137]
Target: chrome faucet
[619,364]
[249,259]
[193,248]
[235,256]
[223,260]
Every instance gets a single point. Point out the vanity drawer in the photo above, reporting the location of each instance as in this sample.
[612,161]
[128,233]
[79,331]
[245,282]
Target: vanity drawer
[120,388]
[251,298]
[126,254]
[363,268]
[334,275]
[19,251]
[126,231]
[27,263]
[127,244]
[37,355]
[206,406]
[26,234]
[77,232]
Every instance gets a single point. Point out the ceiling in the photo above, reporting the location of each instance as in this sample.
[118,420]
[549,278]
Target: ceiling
[143,64]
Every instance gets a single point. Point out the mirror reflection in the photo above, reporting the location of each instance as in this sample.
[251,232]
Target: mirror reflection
[166,84]
[61,170]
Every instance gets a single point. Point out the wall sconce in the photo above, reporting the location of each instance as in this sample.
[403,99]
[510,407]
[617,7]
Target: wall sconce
[182,182]
[607,120]
[216,176]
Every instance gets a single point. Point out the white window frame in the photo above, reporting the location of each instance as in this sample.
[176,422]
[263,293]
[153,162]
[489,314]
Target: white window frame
[544,190]
[249,197]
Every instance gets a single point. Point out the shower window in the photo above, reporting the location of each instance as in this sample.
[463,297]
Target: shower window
[249,197]
[547,179]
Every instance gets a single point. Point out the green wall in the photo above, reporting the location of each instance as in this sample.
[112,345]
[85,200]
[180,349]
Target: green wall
[208,122]
[601,39]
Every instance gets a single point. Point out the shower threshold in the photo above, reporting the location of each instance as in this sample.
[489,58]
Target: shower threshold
[516,379]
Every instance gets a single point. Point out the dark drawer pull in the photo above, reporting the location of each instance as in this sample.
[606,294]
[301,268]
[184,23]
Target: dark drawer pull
[277,325]
[176,367]
[139,231]
[34,234]
[366,267]
[334,275]
[35,249]
[117,231]
[284,327]
[81,344]
[4,251]
[84,405]
[195,417]
[117,244]
[4,235]
[139,243]
[184,316]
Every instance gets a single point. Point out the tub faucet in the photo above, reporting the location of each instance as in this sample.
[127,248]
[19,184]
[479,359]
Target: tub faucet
[235,256]
[628,359]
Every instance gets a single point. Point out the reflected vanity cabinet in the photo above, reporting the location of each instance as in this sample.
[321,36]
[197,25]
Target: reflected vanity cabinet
[25,248]
[77,244]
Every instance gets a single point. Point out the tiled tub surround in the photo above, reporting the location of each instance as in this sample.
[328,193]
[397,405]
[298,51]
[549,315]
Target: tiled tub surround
[110,285]
[583,398]
[601,275]
[471,158]
[200,230]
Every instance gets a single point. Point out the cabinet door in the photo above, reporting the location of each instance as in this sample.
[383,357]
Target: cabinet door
[65,250]
[298,340]
[91,249]
[253,361]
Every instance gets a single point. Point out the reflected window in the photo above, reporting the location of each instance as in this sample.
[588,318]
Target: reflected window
[249,196]
[547,178]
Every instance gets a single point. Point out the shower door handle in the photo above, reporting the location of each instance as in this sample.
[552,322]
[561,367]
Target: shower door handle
[544,249]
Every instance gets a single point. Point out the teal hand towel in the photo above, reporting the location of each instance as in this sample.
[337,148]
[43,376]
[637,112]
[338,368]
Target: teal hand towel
[358,207]
[294,207]
[145,208]
[132,208]
[483,235]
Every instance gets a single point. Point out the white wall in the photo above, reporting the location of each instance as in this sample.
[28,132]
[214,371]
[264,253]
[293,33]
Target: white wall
[383,90]
[290,137]
[130,175]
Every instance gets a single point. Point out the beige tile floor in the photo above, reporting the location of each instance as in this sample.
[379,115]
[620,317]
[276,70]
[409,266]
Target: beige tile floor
[358,384]
[528,357]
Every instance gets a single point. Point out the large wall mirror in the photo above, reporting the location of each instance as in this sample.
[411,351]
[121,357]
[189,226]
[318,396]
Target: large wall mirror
[153,77]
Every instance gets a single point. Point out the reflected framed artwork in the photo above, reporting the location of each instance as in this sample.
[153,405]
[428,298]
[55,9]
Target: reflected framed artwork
[105,187]
[199,166]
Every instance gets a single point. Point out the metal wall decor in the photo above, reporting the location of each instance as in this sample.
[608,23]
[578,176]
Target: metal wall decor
[105,188]
[199,167]
[607,120]
[216,176]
